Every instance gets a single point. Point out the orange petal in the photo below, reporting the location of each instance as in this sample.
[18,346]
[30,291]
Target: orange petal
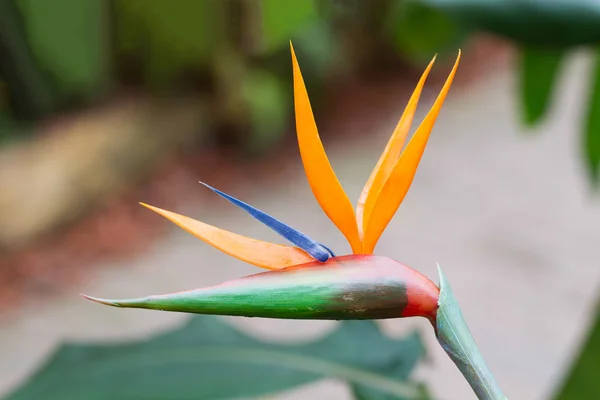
[396,186]
[323,182]
[389,157]
[262,254]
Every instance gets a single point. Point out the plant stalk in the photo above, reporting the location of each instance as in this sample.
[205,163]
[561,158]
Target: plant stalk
[456,339]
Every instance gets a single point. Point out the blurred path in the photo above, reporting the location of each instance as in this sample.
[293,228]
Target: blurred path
[507,215]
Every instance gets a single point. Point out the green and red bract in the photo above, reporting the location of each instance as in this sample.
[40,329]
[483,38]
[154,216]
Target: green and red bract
[343,288]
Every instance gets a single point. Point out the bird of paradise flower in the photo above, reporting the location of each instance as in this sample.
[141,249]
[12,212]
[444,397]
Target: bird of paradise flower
[307,280]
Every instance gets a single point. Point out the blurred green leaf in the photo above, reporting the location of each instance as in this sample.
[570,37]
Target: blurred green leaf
[70,40]
[282,19]
[317,43]
[539,69]
[268,104]
[371,394]
[582,381]
[556,23]
[592,129]
[209,359]
[420,31]
[174,37]
[29,92]
[397,369]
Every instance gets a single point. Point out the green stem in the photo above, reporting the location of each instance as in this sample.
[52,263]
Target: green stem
[456,339]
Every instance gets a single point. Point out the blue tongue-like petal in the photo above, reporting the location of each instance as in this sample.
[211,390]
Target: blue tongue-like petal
[313,248]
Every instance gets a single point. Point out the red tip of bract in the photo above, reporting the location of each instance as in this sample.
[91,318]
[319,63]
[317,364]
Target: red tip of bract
[422,300]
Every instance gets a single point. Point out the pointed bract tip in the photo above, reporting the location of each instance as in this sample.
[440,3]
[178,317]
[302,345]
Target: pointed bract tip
[147,206]
[100,301]
[443,283]
[155,209]
[440,272]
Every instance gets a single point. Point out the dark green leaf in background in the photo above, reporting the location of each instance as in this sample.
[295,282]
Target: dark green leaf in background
[175,37]
[209,359]
[317,43]
[592,128]
[539,70]
[555,23]
[70,40]
[583,380]
[26,88]
[269,105]
[420,31]
[281,20]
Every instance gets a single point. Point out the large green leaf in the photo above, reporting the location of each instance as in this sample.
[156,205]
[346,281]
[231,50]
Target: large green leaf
[556,23]
[280,20]
[539,72]
[592,130]
[70,40]
[582,381]
[209,359]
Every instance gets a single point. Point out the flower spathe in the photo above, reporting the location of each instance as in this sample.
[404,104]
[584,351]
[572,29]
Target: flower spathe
[343,288]
[307,281]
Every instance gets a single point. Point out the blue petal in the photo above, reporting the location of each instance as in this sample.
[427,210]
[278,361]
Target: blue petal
[314,249]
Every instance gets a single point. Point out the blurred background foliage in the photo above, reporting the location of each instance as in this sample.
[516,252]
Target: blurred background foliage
[236,52]
[63,56]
